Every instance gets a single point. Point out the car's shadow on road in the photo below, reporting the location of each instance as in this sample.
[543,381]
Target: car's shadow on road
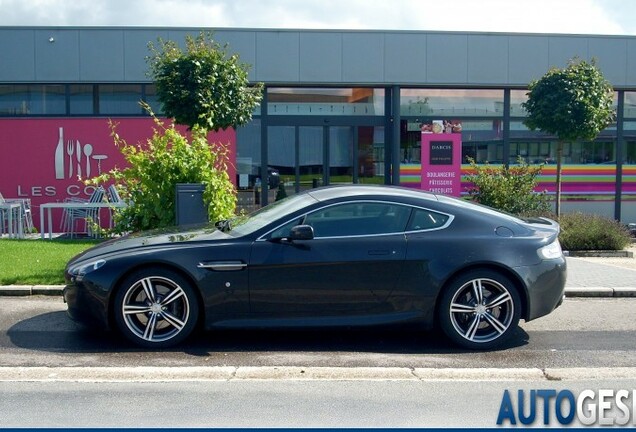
[54,332]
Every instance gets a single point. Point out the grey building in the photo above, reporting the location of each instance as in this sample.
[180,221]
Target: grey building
[349,106]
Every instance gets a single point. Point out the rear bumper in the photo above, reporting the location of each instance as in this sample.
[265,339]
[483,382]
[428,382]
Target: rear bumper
[545,284]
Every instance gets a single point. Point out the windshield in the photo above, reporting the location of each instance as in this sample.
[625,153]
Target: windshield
[247,224]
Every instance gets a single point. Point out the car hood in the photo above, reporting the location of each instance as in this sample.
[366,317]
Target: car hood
[146,239]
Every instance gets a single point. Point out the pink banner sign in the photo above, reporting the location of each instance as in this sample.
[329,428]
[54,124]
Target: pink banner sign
[47,160]
[441,163]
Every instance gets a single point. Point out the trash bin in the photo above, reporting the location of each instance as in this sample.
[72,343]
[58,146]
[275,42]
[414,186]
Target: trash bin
[189,206]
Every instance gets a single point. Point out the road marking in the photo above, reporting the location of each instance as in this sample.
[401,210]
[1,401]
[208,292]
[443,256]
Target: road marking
[267,373]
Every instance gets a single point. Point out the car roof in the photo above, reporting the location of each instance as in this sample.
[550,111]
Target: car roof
[385,191]
[330,192]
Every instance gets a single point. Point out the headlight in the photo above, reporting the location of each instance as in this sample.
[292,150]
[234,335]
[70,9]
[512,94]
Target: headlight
[80,271]
[551,251]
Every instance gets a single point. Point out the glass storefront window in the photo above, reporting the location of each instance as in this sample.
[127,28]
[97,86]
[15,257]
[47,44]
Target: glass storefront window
[630,153]
[17,100]
[150,96]
[325,101]
[517,97]
[630,143]
[577,153]
[629,110]
[119,99]
[450,102]
[482,140]
[81,99]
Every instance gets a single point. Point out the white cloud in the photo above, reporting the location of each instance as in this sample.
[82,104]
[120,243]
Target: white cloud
[532,16]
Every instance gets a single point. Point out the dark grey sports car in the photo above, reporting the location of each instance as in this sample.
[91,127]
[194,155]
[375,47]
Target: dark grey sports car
[334,256]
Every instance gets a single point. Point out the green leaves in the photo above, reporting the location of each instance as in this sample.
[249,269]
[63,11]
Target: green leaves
[202,86]
[510,189]
[205,90]
[155,167]
[581,231]
[572,103]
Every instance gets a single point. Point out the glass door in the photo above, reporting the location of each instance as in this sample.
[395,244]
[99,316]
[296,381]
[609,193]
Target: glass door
[309,156]
[342,169]
[356,154]
[310,166]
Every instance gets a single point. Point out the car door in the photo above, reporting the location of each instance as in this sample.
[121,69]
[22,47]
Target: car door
[350,266]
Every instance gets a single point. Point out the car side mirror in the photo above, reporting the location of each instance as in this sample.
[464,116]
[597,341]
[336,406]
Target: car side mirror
[301,232]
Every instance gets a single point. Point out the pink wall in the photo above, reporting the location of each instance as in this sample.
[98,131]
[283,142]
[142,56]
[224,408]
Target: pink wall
[32,166]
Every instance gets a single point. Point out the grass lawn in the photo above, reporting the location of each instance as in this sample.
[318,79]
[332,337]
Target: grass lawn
[37,262]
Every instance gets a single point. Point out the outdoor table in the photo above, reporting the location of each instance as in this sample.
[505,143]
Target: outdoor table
[11,207]
[69,205]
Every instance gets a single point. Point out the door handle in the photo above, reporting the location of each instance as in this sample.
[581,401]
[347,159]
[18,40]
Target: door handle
[379,252]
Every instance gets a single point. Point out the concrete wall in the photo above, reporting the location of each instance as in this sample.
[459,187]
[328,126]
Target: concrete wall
[314,57]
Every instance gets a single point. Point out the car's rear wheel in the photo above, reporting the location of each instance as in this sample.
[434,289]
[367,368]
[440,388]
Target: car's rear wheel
[480,309]
[156,308]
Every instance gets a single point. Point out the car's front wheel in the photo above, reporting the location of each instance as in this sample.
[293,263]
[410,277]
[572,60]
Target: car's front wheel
[480,309]
[156,308]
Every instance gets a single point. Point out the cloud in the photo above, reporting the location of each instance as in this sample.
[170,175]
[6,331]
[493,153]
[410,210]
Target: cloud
[530,16]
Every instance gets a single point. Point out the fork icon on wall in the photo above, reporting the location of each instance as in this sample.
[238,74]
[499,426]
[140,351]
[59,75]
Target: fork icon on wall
[70,148]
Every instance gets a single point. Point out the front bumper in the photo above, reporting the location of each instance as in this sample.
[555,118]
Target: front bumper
[85,307]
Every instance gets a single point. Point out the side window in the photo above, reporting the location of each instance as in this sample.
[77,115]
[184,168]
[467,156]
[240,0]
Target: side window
[285,230]
[426,219]
[356,219]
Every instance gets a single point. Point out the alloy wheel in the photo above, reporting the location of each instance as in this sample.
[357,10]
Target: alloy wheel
[156,310]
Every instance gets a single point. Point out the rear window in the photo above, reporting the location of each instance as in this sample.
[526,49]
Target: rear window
[426,219]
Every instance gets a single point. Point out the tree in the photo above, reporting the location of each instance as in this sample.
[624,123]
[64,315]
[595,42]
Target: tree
[202,86]
[205,90]
[153,169]
[572,103]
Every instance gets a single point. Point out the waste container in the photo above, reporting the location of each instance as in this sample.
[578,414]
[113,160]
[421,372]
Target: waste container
[189,207]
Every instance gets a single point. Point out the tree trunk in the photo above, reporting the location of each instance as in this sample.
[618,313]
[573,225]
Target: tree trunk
[558,177]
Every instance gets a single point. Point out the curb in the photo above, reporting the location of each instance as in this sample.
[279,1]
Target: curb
[30,290]
[296,373]
[570,292]
[599,254]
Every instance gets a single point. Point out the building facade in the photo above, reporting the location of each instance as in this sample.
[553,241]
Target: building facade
[339,107]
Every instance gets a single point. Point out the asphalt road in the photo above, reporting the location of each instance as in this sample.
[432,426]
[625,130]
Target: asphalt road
[54,373]
[334,404]
[589,333]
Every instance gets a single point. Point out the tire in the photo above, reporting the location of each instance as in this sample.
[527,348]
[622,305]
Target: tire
[480,309]
[156,308]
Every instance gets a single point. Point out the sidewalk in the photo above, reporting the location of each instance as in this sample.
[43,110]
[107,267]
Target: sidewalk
[587,277]
[602,276]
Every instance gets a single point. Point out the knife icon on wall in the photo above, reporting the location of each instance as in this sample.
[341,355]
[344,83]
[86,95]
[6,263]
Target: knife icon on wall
[78,152]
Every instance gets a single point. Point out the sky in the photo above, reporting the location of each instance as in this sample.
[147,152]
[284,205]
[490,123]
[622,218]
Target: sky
[607,17]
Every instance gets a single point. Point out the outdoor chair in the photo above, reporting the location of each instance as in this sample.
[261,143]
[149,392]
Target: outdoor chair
[4,216]
[27,216]
[89,214]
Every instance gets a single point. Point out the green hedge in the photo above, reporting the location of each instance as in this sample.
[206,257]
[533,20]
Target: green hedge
[581,231]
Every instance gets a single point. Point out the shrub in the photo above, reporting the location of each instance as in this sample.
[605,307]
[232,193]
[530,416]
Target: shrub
[581,231]
[510,189]
[148,182]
